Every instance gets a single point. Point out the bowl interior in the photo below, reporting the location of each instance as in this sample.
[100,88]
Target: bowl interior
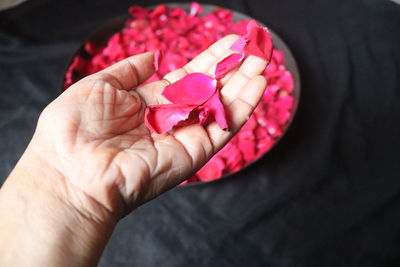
[102,35]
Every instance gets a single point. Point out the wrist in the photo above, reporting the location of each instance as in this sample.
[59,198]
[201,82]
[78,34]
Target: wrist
[46,222]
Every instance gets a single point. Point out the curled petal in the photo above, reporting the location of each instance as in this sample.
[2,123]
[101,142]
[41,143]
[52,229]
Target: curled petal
[250,25]
[199,115]
[239,44]
[259,42]
[162,118]
[227,64]
[212,170]
[193,89]
[216,110]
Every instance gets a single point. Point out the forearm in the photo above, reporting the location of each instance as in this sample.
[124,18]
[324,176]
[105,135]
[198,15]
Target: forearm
[43,223]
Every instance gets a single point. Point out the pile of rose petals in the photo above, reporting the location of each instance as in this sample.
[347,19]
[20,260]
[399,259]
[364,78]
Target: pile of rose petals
[180,36]
[196,97]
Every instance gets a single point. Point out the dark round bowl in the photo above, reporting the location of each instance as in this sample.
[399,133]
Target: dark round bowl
[114,25]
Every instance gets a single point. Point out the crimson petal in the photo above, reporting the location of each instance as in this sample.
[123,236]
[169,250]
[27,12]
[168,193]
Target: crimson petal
[227,64]
[195,9]
[138,12]
[193,89]
[216,109]
[212,170]
[259,42]
[162,118]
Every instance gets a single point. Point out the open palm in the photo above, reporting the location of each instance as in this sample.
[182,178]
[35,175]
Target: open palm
[95,135]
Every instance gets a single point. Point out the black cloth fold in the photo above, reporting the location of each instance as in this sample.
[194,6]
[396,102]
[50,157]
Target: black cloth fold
[327,195]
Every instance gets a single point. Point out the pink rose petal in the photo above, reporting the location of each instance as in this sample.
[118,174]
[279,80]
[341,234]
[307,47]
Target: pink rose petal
[198,115]
[250,25]
[162,118]
[193,89]
[259,42]
[273,129]
[158,11]
[251,124]
[212,170]
[248,149]
[195,9]
[138,12]
[216,110]
[227,64]
[264,145]
[239,44]
[232,156]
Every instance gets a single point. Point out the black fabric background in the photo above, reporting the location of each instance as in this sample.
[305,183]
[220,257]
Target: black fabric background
[327,195]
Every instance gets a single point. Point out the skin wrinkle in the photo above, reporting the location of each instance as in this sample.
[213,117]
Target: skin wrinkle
[140,183]
[192,160]
[102,173]
[213,149]
[157,145]
[210,129]
[65,158]
[165,178]
[65,183]
[109,99]
[134,72]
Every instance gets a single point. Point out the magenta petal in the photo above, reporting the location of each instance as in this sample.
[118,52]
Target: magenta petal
[250,125]
[216,109]
[227,64]
[250,25]
[239,45]
[212,170]
[138,12]
[162,118]
[260,42]
[195,9]
[203,113]
[193,89]
[248,149]
[199,116]
[233,158]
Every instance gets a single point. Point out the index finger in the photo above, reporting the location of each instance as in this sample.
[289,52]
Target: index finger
[206,59]
[151,92]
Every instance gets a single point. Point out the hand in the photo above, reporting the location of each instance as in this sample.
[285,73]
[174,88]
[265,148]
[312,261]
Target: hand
[94,134]
[92,159]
